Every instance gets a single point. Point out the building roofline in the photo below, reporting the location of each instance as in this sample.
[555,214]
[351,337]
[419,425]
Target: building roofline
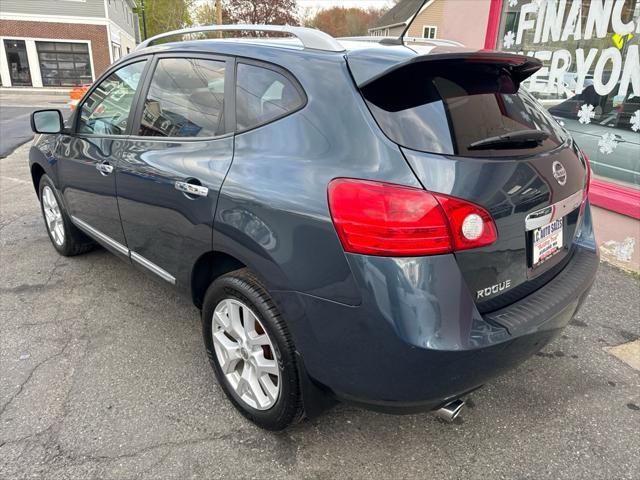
[408,20]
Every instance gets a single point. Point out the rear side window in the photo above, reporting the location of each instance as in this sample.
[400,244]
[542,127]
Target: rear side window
[262,95]
[453,108]
[185,99]
[106,110]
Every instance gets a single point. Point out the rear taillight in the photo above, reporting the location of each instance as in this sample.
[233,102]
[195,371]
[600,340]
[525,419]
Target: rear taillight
[385,219]
[471,225]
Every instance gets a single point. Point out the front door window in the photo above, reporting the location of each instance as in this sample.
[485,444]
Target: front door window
[106,111]
[18,63]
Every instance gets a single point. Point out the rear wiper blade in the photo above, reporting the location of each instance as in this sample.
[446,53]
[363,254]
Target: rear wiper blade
[519,139]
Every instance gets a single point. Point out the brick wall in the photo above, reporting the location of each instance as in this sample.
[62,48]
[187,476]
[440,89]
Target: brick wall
[97,34]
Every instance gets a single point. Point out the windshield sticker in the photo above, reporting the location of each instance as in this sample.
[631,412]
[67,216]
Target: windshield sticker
[607,143]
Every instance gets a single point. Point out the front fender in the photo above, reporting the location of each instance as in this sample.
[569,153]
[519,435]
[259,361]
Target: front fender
[43,154]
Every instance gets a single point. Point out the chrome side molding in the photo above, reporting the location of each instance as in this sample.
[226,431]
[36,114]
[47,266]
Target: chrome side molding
[98,235]
[546,215]
[139,259]
[153,267]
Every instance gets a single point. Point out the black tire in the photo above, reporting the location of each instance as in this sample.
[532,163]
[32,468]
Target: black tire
[243,286]
[75,242]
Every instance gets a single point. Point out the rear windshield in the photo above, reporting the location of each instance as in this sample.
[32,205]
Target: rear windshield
[453,107]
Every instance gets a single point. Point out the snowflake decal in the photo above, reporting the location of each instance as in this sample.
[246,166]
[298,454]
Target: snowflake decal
[635,121]
[525,116]
[513,3]
[509,39]
[508,99]
[607,143]
[586,113]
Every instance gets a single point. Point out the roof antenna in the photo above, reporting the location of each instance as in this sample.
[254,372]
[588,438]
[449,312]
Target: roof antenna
[400,39]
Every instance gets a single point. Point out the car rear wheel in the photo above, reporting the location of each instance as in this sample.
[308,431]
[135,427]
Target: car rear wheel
[65,237]
[251,351]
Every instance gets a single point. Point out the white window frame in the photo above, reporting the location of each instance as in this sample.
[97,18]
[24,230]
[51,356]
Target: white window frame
[429,27]
[379,32]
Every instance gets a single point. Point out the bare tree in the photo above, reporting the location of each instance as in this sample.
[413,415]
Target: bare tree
[345,22]
[277,12]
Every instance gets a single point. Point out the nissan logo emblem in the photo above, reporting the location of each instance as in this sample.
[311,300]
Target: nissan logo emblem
[559,172]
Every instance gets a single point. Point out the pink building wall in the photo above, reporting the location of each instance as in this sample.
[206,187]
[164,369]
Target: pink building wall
[466,21]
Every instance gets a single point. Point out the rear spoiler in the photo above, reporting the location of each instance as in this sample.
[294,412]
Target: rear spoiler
[367,70]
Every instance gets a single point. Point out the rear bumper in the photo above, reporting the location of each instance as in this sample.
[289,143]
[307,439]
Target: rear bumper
[553,305]
[417,339]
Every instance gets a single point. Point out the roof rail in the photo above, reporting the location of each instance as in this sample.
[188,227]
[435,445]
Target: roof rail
[393,40]
[310,37]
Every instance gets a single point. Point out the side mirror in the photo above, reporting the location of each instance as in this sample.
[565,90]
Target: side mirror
[47,121]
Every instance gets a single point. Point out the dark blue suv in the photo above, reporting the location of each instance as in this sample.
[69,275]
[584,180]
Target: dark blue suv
[381,224]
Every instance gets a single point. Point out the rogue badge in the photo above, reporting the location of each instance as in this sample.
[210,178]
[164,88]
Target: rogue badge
[493,289]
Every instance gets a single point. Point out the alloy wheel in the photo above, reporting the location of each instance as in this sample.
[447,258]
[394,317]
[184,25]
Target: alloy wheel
[245,354]
[53,215]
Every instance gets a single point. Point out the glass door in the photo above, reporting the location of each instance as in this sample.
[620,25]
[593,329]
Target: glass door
[18,63]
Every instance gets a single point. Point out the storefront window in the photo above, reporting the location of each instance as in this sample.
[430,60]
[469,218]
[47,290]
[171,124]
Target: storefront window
[590,81]
[64,64]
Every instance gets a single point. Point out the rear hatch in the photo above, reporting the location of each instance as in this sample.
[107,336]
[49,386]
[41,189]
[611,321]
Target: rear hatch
[468,130]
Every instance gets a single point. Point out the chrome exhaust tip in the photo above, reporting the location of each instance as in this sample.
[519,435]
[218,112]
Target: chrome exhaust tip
[450,411]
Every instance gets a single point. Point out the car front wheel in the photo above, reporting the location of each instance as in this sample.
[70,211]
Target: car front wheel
[65,237]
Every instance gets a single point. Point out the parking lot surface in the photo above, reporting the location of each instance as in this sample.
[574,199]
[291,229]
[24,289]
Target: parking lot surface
[15,110]
[103,375]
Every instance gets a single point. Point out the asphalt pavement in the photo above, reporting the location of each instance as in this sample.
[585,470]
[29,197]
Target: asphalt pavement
[103,375]
[15,110]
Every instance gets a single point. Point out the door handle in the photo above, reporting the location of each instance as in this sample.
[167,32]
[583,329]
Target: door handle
[104,168]
[192,188]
